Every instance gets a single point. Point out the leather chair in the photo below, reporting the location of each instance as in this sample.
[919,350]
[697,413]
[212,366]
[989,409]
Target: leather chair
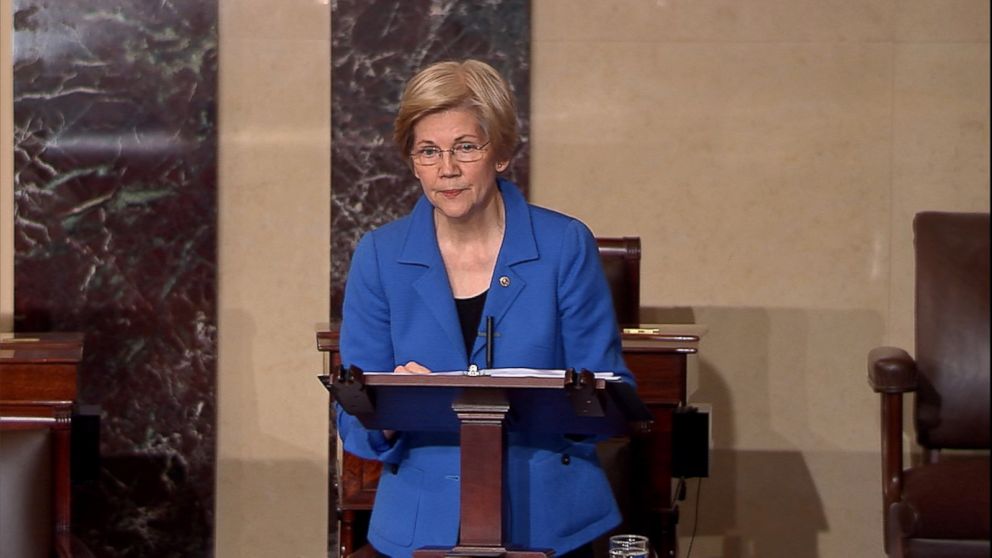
[940,507]
[621,258]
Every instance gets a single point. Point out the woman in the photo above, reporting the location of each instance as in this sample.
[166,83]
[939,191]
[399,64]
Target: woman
[418,289]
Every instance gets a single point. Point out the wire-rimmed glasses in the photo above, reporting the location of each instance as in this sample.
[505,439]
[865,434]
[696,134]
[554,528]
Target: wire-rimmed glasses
[463,152]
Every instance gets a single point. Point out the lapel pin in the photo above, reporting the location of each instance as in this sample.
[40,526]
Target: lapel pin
[504,281]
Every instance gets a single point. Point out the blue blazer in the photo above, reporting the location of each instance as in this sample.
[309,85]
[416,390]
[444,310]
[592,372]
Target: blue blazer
[555,311]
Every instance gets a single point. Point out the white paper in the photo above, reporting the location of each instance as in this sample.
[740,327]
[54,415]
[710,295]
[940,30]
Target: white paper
[514,373]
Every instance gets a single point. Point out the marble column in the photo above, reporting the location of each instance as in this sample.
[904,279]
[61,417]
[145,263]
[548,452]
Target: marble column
[115,236]
[375,47]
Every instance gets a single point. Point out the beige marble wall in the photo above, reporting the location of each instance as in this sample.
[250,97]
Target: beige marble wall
[274,268]
[770,155]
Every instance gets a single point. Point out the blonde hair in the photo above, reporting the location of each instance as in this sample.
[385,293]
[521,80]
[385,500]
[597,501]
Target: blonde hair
[469,84]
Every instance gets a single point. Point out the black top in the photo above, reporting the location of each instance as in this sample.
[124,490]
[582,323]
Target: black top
[470,314]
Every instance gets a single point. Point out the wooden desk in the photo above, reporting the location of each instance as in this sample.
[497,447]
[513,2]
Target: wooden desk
[38,390]
[658,360]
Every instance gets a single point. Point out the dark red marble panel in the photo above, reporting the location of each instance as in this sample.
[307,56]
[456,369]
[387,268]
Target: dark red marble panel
[376,46]
[115,236]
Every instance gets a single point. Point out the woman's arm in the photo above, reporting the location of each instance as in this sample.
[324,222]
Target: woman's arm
[366,342]
[590,334]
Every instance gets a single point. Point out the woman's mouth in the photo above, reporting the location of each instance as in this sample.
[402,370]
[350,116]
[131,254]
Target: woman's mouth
[451,194]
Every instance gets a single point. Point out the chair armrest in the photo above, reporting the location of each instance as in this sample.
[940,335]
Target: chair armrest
[891,370]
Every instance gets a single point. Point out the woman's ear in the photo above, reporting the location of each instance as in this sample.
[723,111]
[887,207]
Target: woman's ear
[501,166]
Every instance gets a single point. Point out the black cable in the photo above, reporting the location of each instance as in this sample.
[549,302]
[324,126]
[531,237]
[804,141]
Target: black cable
[695,520]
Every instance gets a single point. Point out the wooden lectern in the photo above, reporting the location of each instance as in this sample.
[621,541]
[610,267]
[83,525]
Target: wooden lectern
[483,409]
[658,357]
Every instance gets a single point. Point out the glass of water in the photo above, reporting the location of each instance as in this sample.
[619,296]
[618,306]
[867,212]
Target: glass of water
[629,546]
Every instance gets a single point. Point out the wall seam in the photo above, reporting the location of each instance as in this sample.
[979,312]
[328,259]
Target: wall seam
[6,169]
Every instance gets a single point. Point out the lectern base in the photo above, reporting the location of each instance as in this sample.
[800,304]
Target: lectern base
[480,552]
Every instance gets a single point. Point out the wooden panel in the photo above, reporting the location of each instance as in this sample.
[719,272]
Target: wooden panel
[359,478]
[660,379]
[37,341]
[482,478]
[33,382]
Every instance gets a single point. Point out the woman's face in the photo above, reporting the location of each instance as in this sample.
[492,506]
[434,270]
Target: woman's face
[458,191]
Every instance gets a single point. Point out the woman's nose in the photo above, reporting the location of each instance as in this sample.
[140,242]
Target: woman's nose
[448,165]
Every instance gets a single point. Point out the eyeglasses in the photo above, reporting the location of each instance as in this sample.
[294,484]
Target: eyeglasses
[462,152]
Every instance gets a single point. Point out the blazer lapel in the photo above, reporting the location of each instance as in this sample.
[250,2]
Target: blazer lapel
[435,293]
[420,249]
[518,246]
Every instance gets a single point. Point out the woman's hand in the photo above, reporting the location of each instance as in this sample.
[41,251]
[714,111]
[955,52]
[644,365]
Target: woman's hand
[411,368]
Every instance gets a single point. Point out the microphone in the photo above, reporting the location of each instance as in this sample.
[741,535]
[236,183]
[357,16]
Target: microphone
[489,342]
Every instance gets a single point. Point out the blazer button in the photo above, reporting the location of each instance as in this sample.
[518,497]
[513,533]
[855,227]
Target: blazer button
[565,459]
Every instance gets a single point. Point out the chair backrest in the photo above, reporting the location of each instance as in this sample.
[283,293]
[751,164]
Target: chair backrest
[952,329]
[621,259]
